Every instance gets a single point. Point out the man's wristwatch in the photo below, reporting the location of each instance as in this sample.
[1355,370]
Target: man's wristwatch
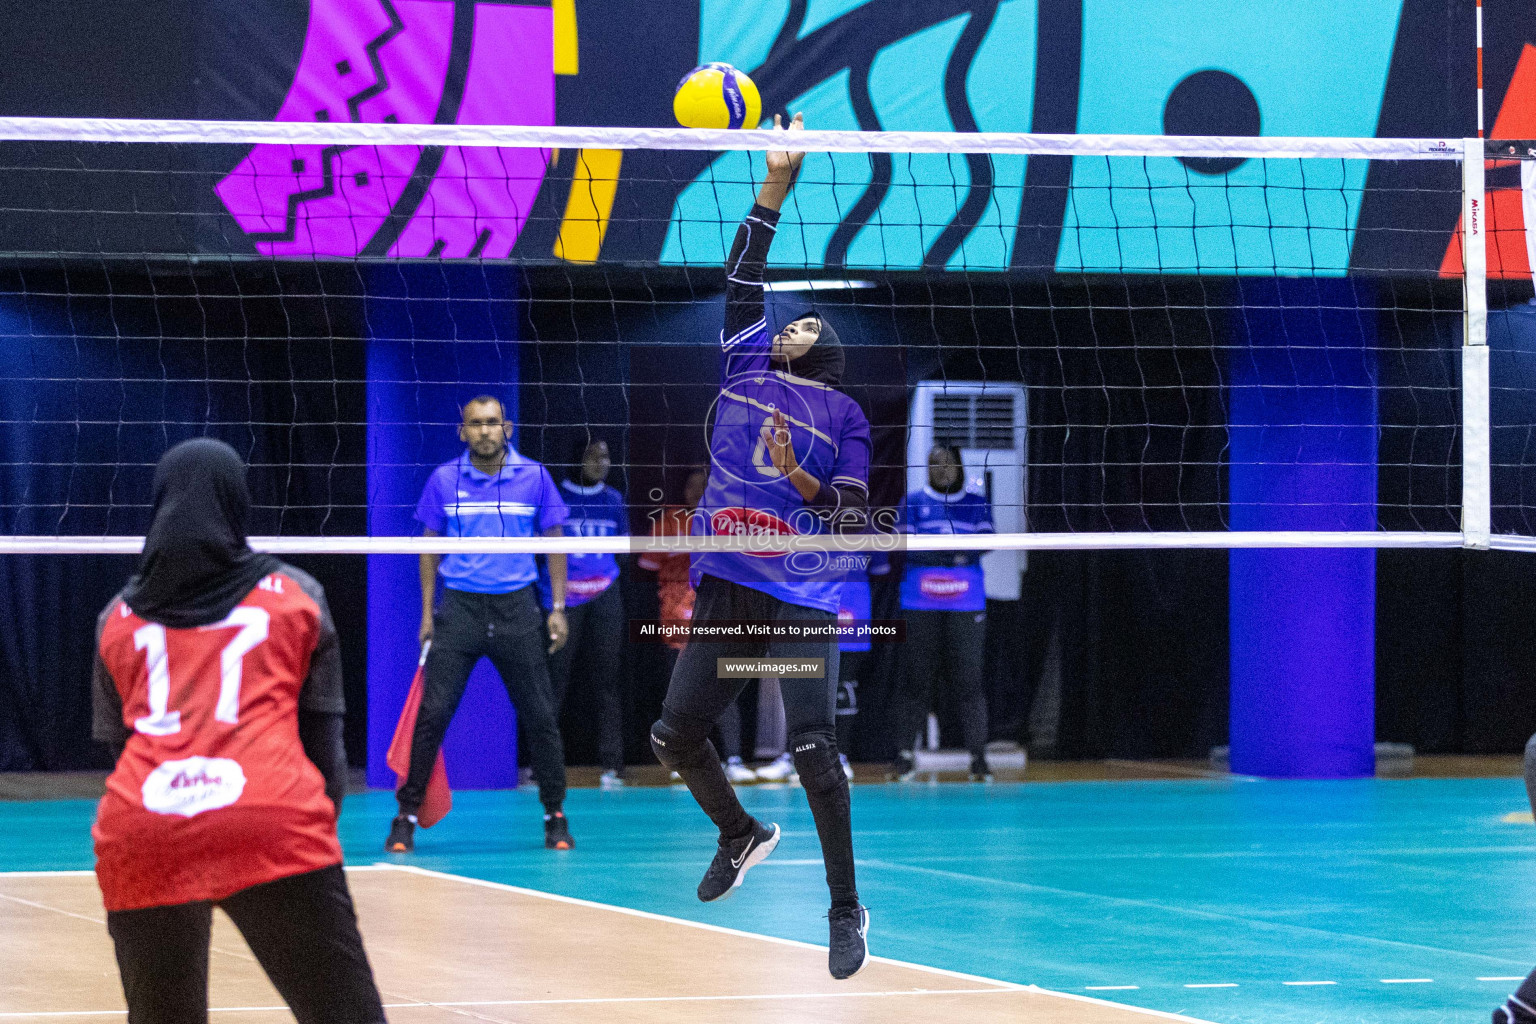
[557,606]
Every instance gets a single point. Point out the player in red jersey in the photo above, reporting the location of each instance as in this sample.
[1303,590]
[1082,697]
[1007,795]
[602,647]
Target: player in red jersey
[218,680]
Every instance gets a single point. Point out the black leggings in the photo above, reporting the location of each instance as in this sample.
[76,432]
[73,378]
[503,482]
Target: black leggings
[939,644]
[302,929]
[597,631]
[696,697]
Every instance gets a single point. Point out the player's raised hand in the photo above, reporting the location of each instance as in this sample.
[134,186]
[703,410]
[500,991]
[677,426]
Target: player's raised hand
[781,162]
[781,447]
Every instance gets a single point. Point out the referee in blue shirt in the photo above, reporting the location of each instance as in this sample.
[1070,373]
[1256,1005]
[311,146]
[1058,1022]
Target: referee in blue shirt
[489,608]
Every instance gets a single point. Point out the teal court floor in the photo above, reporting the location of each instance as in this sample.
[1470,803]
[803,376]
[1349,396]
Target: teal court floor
[1226,900]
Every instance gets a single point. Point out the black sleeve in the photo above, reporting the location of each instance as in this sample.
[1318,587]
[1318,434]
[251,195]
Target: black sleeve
[845,509]
[744,273]
[320,733]
[322,690]
[106,703]
[322,703]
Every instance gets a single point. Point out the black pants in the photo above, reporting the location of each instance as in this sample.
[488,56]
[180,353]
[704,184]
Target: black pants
[850,668]
[697,696]
[509,629]
[597,630]
[727,734]
[943,643]
[302,929]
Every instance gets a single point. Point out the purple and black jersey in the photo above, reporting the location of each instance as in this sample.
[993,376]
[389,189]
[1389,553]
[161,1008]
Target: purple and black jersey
[745,493]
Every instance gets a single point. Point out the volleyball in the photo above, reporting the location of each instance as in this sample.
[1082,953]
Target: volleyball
[716,95]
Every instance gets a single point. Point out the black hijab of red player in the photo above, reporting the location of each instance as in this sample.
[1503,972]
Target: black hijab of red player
[196,564]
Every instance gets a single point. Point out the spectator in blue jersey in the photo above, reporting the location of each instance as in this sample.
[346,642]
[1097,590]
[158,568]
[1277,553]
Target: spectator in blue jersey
[489,608]
[789,454]
[944,600]
[594,610]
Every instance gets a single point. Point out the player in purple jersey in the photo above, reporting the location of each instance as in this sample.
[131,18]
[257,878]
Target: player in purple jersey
[789,454]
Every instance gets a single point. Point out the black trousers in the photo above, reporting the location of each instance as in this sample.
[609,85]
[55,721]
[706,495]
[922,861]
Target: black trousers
[509,629]
[302,929]
[943,644]
[727,734]
[597,630]
[697,696]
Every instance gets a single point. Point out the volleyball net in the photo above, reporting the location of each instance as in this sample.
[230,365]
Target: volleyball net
[1131,341]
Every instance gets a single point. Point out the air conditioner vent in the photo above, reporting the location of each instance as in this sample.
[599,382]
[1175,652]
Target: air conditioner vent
[974,421]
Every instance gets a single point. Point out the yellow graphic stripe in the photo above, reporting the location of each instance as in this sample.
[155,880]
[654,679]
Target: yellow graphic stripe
[566,59]
[591,201]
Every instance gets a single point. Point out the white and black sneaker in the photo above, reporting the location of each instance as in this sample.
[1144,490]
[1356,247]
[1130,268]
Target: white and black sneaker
[848,949]
[735,858]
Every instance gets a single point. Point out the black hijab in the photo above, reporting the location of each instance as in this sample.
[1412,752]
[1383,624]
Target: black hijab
[823,362]
[196,565]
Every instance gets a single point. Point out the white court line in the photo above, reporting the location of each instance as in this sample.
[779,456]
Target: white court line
[720,998]
[44,874]
[1257,924]
[1178,769]
[471,1003]
[1502,979]
[647,915]
[1309,983]
[43,906]
[1407,981]
[1214,984]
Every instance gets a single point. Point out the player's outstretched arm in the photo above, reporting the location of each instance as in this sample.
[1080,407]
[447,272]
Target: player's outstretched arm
[743,336]
[782,168]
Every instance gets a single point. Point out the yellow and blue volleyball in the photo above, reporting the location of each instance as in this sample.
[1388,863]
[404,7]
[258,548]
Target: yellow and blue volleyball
[717,96]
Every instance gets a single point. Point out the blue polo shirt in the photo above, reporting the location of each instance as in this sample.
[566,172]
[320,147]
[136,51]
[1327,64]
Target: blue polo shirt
[597,510]
[519,501]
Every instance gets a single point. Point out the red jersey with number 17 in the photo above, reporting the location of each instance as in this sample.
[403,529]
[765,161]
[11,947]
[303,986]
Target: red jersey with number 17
[213,792]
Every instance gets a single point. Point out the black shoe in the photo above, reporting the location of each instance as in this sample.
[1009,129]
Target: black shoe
[980,770]
[903,769]
[402,834]
[735,858]
[848,950]
[557,832]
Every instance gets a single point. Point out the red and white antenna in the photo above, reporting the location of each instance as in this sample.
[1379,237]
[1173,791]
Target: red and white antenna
[1479,68]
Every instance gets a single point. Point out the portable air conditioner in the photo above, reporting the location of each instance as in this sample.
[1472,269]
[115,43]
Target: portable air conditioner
[989,424]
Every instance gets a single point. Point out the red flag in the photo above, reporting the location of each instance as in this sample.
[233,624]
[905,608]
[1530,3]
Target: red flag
[439,798]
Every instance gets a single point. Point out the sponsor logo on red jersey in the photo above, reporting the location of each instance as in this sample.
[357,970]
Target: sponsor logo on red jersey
[751,522]
[943,588]
[190,786]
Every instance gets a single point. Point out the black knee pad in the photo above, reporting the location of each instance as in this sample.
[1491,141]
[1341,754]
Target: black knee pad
[815,757]
[677,743]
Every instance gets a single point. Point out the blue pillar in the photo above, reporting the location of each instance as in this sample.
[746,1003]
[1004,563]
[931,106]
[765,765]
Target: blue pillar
[438,334]
[1302,425]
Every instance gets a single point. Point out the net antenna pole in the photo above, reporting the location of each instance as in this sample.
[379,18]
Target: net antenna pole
[1479,68]
[1476,517]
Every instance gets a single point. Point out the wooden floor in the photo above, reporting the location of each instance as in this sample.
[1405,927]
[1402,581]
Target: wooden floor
[446,948]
